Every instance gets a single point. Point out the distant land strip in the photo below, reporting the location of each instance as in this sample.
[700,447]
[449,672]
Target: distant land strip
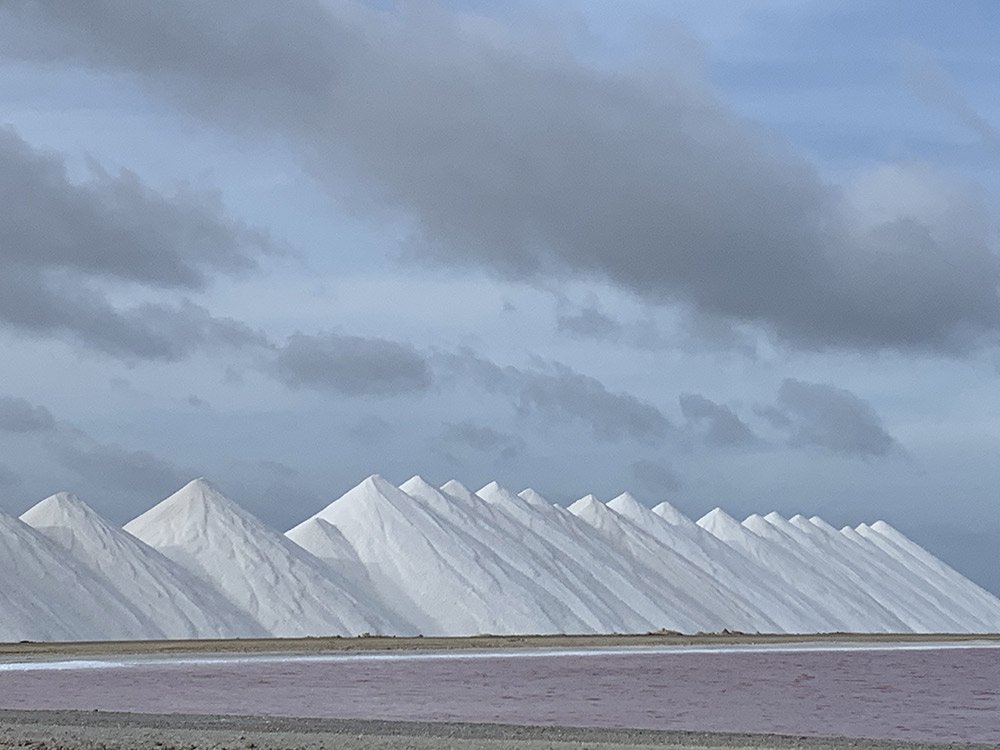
[337,644]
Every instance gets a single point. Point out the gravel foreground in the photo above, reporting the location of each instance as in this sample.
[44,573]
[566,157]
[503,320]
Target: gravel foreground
[74,730]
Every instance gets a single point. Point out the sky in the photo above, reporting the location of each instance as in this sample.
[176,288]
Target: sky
[721,254]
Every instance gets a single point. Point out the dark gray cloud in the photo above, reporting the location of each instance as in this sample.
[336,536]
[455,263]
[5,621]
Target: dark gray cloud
[476,436]
[114,225]
[35,306]
[532,163]
[695,331]
[60,240]
[556,392]
[654,477]
[717,422]
[120,481]
[196,402]
[351,365]
[8,477]
[276,468]
[18,415]
[590,323]
[263,470]
[700,331]
[828,417]
[114,467]
[106,466]
[481,438]
[774,416]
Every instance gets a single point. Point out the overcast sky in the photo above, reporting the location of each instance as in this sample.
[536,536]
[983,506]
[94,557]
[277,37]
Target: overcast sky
[737,254]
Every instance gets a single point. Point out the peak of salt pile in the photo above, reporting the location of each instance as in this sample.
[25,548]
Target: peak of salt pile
[497,495]
[626,505]
[533,497]
[179,604]
[289,592]
[671,515]
[588,504]
[459,491]
[60,509]
[719,523]
[420,489]
[820,523]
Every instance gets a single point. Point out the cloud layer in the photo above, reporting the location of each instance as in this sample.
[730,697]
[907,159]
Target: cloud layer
[61,242]
[717,422]
[529,162]
[555,392]
[20,416]
[816,414]
[352,365]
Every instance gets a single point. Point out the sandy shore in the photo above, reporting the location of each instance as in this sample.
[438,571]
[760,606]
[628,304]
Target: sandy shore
[14,651]
[68,730]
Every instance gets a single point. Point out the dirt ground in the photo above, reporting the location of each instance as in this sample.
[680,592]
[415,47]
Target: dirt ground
[68,730]
[27,650]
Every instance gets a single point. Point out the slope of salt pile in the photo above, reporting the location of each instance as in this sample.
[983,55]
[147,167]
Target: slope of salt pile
[181,605]
[732,569]
[451,562]
[931,588]
[862,611]
[45,595]
[613,568]
[814,588]
[561,595]
[443,578]
[984,606]
[683,587]
[325,541]
[634,608]
[562,576]
[889,583]
[288,591]
[990,603]
[815,544]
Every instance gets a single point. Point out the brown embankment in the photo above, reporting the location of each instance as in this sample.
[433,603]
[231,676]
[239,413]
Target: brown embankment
[383,643]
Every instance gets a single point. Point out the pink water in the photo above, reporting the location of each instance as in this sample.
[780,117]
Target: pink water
[947,694]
